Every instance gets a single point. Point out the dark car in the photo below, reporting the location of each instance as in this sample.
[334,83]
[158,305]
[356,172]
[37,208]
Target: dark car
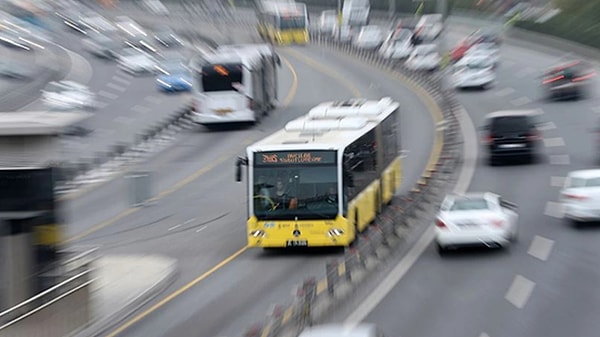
[568,80]
[511,135]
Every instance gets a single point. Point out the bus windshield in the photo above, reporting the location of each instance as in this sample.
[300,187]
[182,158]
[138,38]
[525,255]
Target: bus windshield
[303,188]
[221,77]
[292,22]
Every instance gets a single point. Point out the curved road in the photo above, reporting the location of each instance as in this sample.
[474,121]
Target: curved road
[545,285]
[201,221]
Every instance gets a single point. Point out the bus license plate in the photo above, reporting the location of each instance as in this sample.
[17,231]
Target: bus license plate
[297,243]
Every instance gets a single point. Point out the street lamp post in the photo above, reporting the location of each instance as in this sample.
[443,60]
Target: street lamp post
[339,18]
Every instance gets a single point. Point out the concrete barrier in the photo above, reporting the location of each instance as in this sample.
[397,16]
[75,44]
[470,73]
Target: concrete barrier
[314,298]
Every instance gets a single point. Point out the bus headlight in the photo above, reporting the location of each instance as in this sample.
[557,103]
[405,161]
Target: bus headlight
[335,232]
[258,234]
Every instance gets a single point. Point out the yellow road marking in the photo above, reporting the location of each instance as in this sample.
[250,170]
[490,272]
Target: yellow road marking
[321,286]
[287,315]
[176,293]
[188,179]
[325,70]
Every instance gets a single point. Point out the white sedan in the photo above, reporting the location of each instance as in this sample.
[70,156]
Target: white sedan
[473,73]
[136,61]
[487,50]
[424,57]
[369,37]
[398,45]
[580,196]
[475,219]
[68,95]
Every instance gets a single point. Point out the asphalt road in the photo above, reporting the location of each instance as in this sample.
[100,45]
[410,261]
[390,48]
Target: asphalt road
[203,222]
[128,105]
[545,285]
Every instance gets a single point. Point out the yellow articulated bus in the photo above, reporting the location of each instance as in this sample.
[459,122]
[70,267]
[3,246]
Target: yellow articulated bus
[325,176]
[283,23]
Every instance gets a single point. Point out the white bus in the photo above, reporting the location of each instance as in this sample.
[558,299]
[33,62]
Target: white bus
[325,176]
[235,84]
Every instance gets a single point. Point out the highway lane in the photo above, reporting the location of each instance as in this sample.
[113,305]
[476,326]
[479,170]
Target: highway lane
[545,284]
[176,227]
[128,105]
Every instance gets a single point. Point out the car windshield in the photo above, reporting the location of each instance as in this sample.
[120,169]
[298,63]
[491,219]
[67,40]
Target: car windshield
[469,205]
[292,22]
[510,124]
[474,64]
[584,182]
[401,35]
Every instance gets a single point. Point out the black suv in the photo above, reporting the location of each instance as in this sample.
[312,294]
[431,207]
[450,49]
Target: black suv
[511,134]
[568,80]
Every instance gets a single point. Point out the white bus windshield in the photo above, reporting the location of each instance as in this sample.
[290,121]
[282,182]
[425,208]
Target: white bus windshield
[221,77]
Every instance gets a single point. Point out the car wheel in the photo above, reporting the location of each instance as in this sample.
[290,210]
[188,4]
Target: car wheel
[514,236]
[442,251]
[575,224]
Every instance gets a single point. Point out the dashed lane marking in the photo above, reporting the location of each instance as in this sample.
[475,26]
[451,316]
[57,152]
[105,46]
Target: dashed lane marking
[107,94]
[505,92]
[554,209]
[560,159]
[120,79]
[483,334]
[554,142]
[101,105]
[556,181]
[547,126]
[116,87]
[520,101]
[540,247]
[525,72]
[123,120]
[519,292]
[153,99]
[140,109]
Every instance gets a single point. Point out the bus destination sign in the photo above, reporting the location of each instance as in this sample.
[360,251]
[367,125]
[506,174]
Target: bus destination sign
[295,157]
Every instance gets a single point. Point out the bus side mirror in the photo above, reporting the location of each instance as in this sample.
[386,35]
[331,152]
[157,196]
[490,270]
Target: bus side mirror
[238,168]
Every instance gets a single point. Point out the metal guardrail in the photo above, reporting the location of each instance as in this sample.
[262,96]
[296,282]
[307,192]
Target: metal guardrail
[313,298]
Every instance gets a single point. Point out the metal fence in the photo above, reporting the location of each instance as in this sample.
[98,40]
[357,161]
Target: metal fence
[59,310]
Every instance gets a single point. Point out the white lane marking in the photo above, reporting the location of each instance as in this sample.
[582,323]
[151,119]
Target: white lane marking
[116,87]
[525,72]
[520,101]
[540,247]
[200,229]
[81,70]
[505,92]
[464,180]
[554,209]
[554,142]
[153,99]
[547,126]
[483,334]
[519,292]
[189,220]
[557,181]
[560,159]
[107,94]
[174,227]
[118,78]
[140,109]
[101,105]
[123,120]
